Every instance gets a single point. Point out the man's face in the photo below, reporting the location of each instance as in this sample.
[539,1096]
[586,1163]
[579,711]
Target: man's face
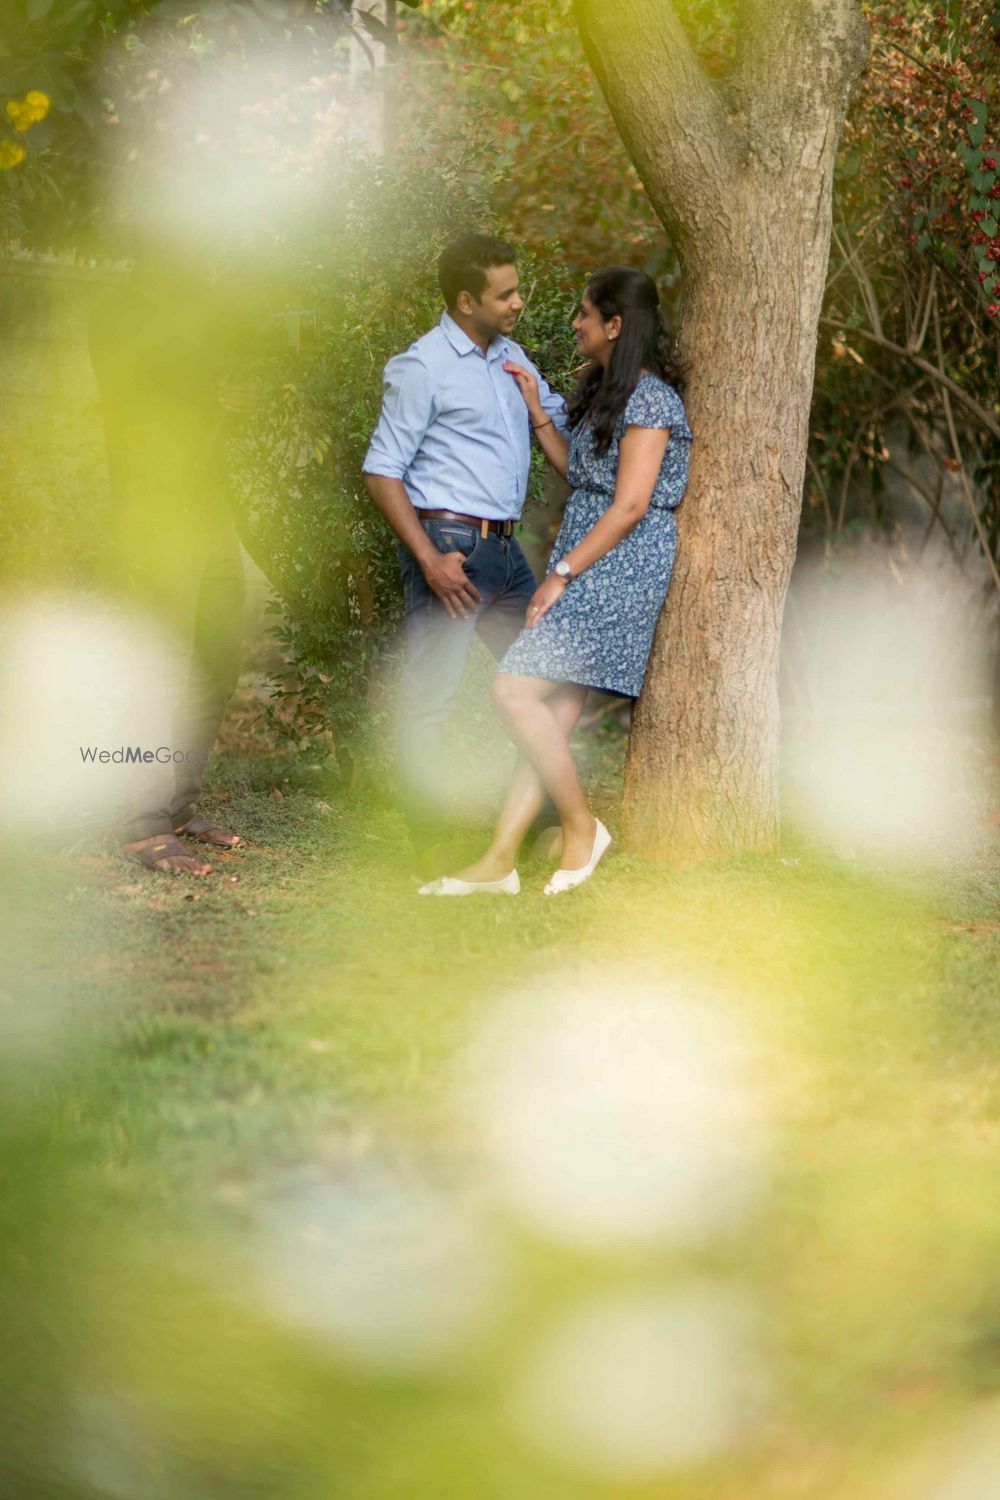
[499,305]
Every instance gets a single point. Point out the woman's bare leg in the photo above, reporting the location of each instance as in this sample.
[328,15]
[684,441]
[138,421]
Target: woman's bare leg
[530,718]
[525,795]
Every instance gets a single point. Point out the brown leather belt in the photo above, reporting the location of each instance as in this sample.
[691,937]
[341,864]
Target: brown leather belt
[484,527]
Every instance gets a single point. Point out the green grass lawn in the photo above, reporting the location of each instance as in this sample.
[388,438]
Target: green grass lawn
[204,1077]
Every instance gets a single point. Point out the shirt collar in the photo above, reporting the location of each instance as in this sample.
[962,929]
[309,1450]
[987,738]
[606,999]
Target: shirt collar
[462,344]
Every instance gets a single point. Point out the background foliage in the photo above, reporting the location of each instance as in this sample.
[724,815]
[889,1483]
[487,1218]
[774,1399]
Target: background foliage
[491,117]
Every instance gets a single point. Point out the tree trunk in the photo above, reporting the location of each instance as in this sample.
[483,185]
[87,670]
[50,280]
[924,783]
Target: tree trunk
[741,174]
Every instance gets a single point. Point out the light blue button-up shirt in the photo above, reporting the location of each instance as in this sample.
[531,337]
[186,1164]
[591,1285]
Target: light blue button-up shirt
[454,427]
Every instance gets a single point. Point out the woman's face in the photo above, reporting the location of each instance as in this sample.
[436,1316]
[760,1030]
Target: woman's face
[594,338]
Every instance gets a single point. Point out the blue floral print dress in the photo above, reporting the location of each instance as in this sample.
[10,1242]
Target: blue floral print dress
[600,633]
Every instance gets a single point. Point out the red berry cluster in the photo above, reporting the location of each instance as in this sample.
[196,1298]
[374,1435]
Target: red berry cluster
[986,244]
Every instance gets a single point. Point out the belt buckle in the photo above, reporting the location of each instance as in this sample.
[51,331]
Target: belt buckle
[484,529]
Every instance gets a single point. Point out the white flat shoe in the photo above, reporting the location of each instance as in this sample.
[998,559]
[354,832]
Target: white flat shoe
[565,880]
[450,885]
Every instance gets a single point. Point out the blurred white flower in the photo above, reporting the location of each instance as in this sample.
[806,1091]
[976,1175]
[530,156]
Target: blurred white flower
[392,1272]
[76,677]
[617,1111]
[970,1467]
[118,1447]
[477,754]
[225,149]
[641,1382]
[880,763]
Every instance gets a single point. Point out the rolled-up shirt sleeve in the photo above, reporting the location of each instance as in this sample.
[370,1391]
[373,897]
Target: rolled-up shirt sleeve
[552,403]
[407,413]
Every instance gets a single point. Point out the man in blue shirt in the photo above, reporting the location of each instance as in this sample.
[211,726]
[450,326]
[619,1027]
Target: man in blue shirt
[448,468]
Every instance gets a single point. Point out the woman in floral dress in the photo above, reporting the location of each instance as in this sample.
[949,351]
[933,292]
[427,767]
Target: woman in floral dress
[591,623]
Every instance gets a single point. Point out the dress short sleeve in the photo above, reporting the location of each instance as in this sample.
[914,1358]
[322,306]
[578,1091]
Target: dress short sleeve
[653,403]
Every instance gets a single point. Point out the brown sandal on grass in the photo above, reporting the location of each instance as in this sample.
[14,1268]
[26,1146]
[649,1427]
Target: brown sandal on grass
[155,853]
[206,832]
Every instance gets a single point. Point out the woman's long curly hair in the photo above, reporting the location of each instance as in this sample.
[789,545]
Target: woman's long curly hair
[645,343]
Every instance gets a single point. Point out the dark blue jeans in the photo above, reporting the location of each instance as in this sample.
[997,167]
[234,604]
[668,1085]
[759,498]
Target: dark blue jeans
[437,648]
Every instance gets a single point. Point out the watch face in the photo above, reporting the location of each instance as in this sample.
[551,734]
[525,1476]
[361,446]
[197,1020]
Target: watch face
[563,569]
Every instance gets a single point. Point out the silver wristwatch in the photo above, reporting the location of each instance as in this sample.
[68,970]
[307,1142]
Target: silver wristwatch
[563,570]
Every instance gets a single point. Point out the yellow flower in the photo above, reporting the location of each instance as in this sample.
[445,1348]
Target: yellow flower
[23,113]
[10,155]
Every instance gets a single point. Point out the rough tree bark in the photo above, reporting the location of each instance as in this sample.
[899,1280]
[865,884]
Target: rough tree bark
[740,173]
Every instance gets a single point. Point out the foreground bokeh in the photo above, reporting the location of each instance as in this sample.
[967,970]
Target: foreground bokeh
[684,1188]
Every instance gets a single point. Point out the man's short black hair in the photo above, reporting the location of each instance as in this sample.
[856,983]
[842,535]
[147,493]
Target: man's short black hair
[465,262]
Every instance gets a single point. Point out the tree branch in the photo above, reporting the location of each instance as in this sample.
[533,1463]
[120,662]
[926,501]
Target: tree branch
[960,460]
[865,286]
[669,113]
[791,56]
[969,402]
